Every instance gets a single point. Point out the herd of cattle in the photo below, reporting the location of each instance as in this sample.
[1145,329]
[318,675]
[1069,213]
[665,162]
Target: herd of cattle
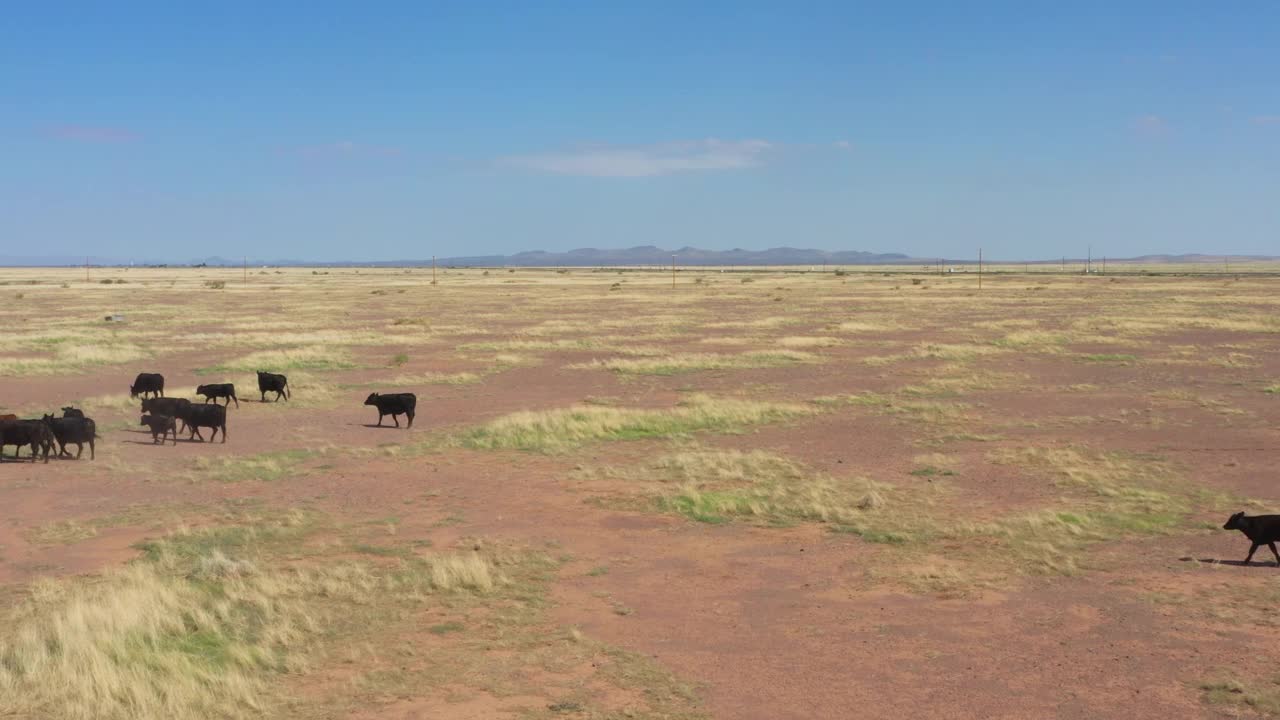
[166,416]
[163,414]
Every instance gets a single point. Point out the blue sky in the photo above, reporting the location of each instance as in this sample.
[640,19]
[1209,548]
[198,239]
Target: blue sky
[330,131]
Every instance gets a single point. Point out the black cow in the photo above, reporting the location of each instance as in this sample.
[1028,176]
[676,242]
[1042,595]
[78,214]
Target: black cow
[1260,529]
[72,412]
[161,426]
[78,430]
[271,382]
[26,432]
[147,383]
[171,406]
[393,404]
[210,416]
[218,390]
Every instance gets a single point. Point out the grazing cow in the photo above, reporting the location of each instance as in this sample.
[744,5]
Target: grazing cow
[393,404]
[147,383]
[210,416]
[161,426]
[218,390]
[271,382]
[1260,529]
[171,406]
[68,412]
[78,430]
[26,432]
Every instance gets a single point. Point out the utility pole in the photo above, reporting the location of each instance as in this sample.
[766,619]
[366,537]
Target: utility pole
[1104,264]
[979,268]
[433,269]
[1088,263]
[246,269]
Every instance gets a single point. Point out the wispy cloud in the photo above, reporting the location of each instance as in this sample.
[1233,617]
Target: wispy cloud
[648,160]
[343,148]
[1151,126]
[1265,119]
[90,134]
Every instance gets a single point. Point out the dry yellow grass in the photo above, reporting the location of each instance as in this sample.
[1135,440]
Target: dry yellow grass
[560,430]
[716,485]
[314,357]
[952,352]
[199,627]
[809,341]
[693,362]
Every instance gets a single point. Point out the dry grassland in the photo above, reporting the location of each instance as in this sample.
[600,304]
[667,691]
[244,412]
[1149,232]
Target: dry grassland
[1050,445]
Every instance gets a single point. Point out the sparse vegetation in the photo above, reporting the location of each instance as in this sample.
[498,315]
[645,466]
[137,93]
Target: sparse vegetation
[265,467]
[317,357]
[1261,697]
[559,430]
[957,444]
[717,485]
[200,624]
[693,362]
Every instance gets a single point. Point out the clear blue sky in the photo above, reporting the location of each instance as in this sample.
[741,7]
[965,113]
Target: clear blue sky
[401,130]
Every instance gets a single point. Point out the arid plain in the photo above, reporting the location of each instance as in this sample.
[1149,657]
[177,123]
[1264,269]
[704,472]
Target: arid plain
[751,495]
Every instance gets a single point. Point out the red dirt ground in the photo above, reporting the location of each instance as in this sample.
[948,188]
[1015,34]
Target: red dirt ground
[769,622]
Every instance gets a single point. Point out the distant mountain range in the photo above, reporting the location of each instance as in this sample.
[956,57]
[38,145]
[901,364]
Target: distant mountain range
[636,256]
[651,255]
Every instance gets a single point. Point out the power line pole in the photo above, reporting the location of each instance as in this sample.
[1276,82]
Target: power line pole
[979,268]
[433,269]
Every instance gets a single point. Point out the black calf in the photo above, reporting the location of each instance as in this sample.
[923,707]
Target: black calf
[393,404]
[1260,529]
[218,390]
[161,426]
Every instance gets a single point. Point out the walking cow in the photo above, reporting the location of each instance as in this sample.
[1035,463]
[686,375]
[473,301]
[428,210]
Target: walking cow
[172,407]
[393,404]
[78,430]
[271,382]
[218,390]
[26,432]
[210,416]
[161,427]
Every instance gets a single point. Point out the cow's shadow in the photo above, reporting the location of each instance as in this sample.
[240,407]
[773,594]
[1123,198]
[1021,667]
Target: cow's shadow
[168,440]
[376,426]
[1233,563]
